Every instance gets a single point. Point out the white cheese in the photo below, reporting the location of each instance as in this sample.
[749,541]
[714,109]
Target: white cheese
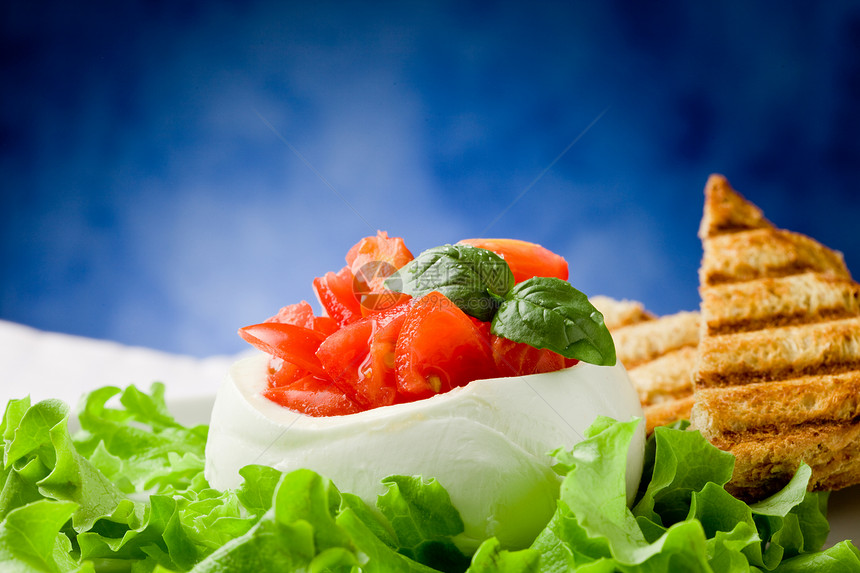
[487,443]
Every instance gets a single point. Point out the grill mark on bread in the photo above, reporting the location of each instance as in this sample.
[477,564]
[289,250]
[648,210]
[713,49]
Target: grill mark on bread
[763,253]
[779,321]
[729,440]
[730,227]
[718,278]
[746,377]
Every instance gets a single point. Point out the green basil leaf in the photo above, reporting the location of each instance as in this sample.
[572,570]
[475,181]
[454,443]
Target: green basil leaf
[549,313]
[474,279]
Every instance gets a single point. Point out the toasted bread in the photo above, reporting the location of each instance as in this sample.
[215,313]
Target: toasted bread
[659,354]
[618,313]
[777,379]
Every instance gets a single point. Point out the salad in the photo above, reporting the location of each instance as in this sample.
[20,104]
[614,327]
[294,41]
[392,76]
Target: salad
[123,487]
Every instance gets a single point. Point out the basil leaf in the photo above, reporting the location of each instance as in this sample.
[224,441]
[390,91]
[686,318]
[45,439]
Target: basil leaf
[549,313]
[474,279]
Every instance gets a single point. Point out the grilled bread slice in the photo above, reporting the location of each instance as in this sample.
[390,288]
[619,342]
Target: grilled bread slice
[777,379]
[659,354]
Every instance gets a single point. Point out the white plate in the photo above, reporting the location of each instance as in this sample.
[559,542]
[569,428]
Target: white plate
[843,508]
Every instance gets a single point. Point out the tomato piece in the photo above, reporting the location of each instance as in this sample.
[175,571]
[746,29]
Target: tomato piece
[483,327]
[359,357]
[336,295]
[526,259]
[299,314]
[343,356]
[379,249]
[439,348]
[379,302]
[381,386]
[325,324]
[372,260]
[519,359]
[285,374]
[291,343]
[314,397]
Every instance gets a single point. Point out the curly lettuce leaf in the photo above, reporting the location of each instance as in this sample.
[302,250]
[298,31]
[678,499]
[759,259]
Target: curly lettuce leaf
[684,519]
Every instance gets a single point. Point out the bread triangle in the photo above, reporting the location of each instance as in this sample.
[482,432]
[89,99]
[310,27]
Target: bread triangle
[777,378]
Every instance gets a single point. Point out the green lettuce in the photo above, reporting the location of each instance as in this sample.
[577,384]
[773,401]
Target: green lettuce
[127,493]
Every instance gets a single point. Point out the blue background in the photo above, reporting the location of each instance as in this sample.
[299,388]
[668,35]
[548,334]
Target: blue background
[172,171]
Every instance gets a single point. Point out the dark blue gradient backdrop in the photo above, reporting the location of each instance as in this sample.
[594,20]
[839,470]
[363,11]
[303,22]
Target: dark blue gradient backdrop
[172,171]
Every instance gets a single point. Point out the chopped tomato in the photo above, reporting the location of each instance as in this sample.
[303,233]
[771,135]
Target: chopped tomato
[372,260]
[291,343]
[359,357]
[519,359]
[344,353]
[364,256]
[378,302]
[325,324]
[526,259]
[439,348]
[313,396]
[284,374]
[483,327]
[335,293]
[381,386]
[300,314]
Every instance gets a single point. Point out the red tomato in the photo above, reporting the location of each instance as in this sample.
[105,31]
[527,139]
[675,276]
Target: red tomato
[526,259]
[301,314]
[519,359]
[325,324]
[335,293]
[381,386]
[372,260]
[483,327]
[364,258]
[284,374]
[313,396]
[291,343]
[439,348]
[378,302]
[359,357]
[343,356]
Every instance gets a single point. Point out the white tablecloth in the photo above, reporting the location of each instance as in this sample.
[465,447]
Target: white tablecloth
[51,365]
